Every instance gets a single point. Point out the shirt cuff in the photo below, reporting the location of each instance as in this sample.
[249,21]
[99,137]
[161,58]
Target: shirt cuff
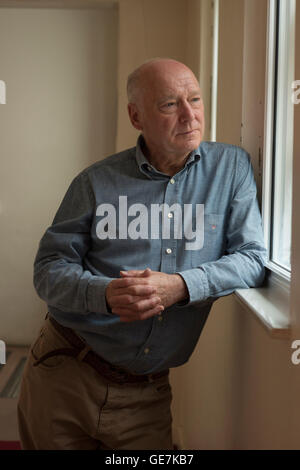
[197,285]
[96,300]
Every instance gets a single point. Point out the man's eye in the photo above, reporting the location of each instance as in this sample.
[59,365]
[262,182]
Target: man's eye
[169,105]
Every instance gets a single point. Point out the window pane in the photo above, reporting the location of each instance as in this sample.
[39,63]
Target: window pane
[283,148]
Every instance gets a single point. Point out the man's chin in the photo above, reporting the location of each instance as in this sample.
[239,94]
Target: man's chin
[190,144]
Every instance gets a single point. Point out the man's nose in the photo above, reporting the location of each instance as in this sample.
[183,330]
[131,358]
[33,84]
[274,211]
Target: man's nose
[186,112]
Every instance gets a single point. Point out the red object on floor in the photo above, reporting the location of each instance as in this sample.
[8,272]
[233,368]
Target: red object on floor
[10,445]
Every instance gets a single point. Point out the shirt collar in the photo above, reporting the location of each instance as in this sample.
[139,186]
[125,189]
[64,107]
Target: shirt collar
[149,170]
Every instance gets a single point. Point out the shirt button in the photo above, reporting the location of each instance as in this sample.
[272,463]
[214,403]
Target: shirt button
[168,251]
[172,181]
[170,215]
[146,350]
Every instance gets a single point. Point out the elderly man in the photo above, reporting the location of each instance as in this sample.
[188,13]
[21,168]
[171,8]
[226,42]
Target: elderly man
[142,244]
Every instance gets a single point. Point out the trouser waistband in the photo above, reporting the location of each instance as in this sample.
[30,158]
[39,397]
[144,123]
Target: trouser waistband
[83,352]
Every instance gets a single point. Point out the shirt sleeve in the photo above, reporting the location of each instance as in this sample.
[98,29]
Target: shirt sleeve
[60,278]
[242,265]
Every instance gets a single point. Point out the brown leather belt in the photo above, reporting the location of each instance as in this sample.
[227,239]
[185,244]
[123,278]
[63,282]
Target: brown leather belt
[83,352]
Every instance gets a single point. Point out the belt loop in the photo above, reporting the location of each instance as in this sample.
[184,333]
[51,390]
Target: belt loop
[84,352]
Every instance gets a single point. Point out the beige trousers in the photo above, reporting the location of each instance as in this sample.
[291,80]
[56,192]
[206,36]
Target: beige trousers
[65,404]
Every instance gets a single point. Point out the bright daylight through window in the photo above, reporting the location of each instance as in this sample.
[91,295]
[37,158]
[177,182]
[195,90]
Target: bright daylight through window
[279,131]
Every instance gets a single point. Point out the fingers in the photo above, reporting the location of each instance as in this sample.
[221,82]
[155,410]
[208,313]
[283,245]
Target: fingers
[132,297]
[126,299]
[128,281]
[126,291]
[129,316]
[134,291]
[136,273]
[139,307]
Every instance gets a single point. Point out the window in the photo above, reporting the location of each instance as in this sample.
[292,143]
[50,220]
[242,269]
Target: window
[271,302]
[277,185]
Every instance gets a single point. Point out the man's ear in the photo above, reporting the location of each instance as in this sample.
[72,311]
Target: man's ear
[134,116]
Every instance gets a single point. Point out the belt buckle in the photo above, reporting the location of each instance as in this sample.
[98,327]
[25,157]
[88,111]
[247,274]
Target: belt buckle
[116,374]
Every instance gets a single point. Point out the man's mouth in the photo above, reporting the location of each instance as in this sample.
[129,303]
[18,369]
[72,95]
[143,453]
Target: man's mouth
[188,132]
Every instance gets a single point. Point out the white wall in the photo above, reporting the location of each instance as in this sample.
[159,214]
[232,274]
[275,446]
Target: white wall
[60,71]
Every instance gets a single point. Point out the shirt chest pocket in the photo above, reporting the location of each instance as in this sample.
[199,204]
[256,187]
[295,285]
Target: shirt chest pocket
[214,240]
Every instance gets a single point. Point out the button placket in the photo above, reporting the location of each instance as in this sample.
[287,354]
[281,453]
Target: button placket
[169,245]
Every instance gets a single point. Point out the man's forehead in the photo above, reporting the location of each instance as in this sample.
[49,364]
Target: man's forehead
[169,81]
[172,77]
[169,91]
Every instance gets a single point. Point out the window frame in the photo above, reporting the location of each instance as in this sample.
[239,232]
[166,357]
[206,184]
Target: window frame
[277,274]
[270,303]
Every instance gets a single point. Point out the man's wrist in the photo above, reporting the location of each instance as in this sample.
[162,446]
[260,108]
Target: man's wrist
[181,292]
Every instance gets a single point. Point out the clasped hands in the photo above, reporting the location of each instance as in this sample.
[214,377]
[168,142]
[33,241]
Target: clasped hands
[140,294]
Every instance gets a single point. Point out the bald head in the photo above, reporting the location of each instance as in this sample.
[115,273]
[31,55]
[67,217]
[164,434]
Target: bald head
[146,74]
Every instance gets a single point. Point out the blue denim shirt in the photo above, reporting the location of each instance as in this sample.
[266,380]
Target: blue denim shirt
[109,220]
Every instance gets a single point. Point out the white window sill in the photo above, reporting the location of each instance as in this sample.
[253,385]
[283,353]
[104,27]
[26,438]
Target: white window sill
[270,304]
